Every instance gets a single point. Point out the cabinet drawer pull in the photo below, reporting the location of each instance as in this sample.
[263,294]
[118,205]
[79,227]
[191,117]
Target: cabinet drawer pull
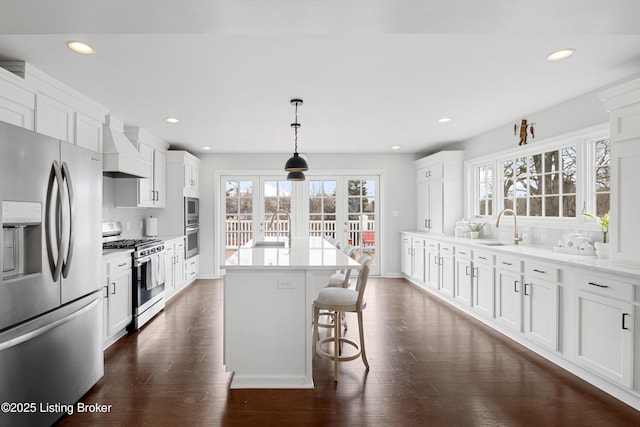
[506,263]
[623,322]
[482,257]
[539,271]
[463,253]
[123,264]
[600,286]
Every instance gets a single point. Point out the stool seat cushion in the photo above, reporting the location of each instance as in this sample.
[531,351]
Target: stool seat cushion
[336,279]
[337,299]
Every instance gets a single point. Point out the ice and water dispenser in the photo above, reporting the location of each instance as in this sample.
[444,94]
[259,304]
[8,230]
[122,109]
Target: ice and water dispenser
[21,239]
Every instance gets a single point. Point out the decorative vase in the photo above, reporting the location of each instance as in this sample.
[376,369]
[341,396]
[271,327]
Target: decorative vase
[474,234]
[602,250]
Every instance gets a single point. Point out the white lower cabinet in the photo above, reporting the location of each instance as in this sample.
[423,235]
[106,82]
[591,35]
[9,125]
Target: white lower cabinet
[541,311]
[117,294]
[432,264]
[483,283]
[584,317]
[509,292]
[192,266]
[174,266]
[447,270]
[463,276]
[413,260]
[604,320]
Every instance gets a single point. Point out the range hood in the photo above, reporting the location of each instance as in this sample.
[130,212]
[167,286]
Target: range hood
[120,159]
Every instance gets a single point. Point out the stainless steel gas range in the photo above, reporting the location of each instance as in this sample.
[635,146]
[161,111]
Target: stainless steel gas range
[148,272]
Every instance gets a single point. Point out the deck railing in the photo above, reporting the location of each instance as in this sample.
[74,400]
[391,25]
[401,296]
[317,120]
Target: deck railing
[239,233]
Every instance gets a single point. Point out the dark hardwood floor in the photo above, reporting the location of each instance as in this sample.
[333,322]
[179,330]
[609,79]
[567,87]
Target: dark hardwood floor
[430,365]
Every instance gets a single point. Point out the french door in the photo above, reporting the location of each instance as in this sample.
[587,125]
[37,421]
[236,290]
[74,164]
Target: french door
[345,208]
[341,206]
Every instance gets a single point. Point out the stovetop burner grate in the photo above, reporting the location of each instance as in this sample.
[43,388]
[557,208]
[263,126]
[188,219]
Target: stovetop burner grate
[129,243]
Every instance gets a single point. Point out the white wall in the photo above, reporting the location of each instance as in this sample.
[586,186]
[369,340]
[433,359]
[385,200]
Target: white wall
[578,113]
[134,217]
[399,194]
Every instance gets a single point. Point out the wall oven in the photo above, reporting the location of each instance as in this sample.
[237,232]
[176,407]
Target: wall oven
[192,238]
[191,211]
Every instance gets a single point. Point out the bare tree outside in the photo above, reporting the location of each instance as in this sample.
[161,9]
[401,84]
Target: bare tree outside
[541,185]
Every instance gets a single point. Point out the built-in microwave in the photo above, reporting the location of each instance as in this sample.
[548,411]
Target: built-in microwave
[192,240]
[191,211]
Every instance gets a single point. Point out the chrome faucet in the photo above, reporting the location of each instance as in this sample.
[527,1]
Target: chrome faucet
[516,237]
[273,218]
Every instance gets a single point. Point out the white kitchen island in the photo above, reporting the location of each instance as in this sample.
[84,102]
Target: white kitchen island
[268,298]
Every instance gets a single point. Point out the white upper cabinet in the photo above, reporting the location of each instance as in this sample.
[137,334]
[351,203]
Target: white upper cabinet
[440,186]
[17,101]
[623,104]
[185,167]
[31,99]
[191,176]
[145,192]
[152,191]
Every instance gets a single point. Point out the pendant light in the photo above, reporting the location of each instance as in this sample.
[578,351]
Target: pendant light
[296,164]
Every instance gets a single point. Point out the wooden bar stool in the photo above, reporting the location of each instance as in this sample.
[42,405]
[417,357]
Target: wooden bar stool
[338,301]
[342,280]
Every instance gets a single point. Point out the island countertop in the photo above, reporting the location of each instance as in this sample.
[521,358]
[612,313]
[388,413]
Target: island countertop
[305,252]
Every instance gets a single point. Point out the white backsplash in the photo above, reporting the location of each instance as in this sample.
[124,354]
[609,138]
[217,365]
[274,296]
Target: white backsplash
[539,236]
[131,217]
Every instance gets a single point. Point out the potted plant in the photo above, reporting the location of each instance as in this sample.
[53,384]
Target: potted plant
[602,248]
[475,228]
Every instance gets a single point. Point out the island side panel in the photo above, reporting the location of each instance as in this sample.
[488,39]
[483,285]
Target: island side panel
[265,322]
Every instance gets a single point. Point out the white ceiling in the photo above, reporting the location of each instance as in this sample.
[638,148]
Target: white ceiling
[372,73]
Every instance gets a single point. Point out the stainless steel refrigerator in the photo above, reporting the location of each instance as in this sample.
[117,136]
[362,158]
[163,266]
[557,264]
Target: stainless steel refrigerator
[50,300]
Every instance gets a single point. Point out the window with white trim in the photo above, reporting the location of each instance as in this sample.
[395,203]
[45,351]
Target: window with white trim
[559,180]
[600,196]
[541,185]
[484,189]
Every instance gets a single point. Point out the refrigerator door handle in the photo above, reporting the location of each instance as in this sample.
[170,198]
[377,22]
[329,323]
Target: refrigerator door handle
[44,329]
[54,265]
[66,175]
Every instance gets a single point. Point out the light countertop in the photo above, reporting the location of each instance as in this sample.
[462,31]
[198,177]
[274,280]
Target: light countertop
[305,253]
[543,253]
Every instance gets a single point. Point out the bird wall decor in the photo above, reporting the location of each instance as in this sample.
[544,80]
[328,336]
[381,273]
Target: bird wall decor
[523,131]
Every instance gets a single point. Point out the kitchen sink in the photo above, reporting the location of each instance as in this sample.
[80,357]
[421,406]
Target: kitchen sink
[492,243]
[269,244]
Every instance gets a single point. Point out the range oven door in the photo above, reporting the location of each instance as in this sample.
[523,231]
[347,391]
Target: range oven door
[148,299]
[192,237]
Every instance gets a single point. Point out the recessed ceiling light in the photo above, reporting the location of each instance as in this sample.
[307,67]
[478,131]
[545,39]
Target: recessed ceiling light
[559,55]
[80,47]
[395,147]
[206,148]
[444,120]
[172,120]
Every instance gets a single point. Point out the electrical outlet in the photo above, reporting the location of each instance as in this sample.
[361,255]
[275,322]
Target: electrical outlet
[285,284]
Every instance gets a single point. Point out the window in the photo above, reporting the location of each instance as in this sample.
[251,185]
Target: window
[541,185]
[239,214]
[602,176]
[322,208]
[484,190]
[277,197]
[556,180]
